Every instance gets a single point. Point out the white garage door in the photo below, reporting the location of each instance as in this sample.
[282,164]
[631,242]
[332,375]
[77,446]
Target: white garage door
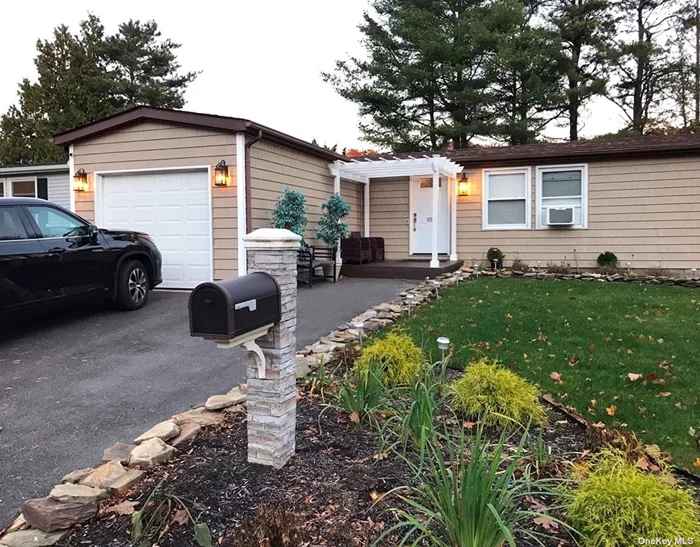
[173,207]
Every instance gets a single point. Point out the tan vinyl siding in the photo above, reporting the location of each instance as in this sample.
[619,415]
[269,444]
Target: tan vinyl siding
[645,211]
[353,194]
[152,145]
[273,168]
[389,213]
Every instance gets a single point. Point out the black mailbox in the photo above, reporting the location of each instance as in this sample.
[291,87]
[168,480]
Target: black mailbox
[227,309]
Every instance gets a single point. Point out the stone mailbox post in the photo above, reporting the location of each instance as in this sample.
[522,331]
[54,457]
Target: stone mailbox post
[272,399]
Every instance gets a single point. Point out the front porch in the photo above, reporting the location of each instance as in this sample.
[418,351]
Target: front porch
[410,202]
[412,268]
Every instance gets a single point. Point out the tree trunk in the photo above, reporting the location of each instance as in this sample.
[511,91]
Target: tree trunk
[638,121]
[697,63]
[574,98]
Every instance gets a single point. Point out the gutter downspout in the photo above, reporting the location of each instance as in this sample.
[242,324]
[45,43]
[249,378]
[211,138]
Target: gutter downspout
[248,192]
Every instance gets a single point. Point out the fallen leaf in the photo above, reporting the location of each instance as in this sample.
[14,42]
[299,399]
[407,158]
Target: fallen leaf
[355,417]
[180,517]
[629,352]
[469,425]
[633,376]
[535,504]
[556,377]
[611,410]
[665,394]
[691,431]
[591,347]
[375,495]
[546,523]
[664,365]
[509,315]
[124,508]
[696,463]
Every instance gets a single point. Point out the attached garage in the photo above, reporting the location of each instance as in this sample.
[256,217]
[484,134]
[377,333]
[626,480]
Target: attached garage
[174,207]
[152,170]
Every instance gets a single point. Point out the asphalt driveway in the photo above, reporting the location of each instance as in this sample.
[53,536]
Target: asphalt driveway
[74,383]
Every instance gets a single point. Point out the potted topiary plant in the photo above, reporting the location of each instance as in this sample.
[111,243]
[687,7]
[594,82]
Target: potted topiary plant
[331,228]
[290,213]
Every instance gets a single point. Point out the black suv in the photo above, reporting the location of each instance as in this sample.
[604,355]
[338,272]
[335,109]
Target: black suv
[49,256]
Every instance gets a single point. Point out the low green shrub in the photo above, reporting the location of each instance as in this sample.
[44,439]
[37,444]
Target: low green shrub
[489,388]
[616,503]
[562,267]
[399,357]
[607,259]
[493,254]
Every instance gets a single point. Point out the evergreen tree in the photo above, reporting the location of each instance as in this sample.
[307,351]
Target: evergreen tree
[85,77]
[525,75]
[586,29]
[640,61]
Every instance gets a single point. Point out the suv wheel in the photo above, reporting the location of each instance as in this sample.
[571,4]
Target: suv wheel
[133,285]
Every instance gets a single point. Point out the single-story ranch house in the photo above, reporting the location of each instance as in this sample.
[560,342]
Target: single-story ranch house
[155,170]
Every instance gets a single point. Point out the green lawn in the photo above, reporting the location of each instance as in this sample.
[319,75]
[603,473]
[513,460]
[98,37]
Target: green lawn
[593,335]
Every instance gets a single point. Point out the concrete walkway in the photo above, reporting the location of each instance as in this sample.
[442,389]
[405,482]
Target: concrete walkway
[74,383]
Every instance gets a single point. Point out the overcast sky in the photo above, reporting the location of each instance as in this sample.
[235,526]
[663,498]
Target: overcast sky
[260,60]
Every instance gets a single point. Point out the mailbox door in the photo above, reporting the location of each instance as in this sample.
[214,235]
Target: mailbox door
[256,302]
[210,312]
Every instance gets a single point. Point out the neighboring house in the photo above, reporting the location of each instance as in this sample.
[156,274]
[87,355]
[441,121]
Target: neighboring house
[48,181]
[155,170]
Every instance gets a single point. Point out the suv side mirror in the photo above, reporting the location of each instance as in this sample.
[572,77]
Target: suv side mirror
[92,233]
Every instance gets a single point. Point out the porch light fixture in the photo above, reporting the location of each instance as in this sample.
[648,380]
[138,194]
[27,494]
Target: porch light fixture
[221,176]
[464,186]
[80,181]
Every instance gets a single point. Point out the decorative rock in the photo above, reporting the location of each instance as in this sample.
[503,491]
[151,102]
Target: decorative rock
[104,475]
[32,538]
[219,402]
[124,482]
[77,475]
[50,515]
[118,452]
[151,452]
[199,416]
[187,433]
[77,493]
[303,367]
[164,430]
[18,524]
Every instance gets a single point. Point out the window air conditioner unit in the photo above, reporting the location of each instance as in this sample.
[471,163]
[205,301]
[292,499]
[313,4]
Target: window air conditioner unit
[560,216]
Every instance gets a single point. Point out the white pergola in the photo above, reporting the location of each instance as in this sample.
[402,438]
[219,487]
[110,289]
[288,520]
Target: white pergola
[364,170]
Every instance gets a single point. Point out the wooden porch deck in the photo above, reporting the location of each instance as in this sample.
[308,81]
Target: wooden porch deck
[400,269]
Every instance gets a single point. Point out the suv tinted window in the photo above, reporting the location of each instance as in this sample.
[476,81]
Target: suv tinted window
[11,226]
[55,223]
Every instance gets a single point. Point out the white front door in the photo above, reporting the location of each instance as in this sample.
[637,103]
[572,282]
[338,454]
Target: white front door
[174,208]
[422,216]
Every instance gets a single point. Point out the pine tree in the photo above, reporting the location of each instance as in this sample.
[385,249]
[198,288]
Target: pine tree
[640,61]
[586,29]
[85,77]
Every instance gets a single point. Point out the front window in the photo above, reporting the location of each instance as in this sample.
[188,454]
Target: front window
[24,188]
[506,200]
[562,196]
[53,223]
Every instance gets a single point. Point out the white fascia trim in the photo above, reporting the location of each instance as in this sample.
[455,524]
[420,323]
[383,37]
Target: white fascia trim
[71,174]
[19,170]
[584,194]
[528,199]
[240,203]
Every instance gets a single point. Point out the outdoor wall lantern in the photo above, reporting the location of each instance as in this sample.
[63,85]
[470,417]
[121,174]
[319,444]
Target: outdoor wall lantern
[80,181]
[221,176]
[464,186]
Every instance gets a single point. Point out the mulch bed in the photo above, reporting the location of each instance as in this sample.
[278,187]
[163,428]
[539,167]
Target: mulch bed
[329,486]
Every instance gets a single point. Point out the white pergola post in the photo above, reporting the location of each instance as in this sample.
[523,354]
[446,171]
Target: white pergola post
[452,183]
[366,205]
[434,262]
[336,190]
